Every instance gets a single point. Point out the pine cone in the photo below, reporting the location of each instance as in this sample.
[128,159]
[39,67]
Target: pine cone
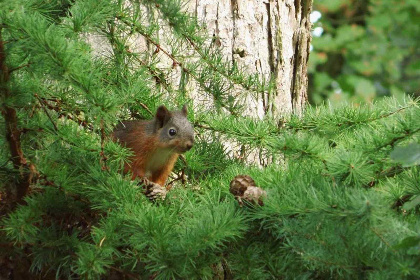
[243,187]
[152,190]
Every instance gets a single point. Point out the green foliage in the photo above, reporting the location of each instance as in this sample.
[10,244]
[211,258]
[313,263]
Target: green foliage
[342,195]
[367,50]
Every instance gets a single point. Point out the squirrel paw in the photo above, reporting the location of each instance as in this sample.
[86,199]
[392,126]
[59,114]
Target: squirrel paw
[154,191]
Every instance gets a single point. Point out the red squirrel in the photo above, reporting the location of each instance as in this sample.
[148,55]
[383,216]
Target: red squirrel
[156,143]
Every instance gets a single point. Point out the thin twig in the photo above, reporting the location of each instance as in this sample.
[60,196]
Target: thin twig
[215,68]
[19,67]
[197,124]
[398,138]
[44,181]
[102,153]
[46,111]
[332,263]
[179,177]
[389,114]
[223,73]
[153,72]
[176,62]
[305,255]
[313,125]
[382,239]
[85,124]
[146,108]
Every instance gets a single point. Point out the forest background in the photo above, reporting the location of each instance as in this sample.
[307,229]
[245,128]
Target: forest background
[364,50]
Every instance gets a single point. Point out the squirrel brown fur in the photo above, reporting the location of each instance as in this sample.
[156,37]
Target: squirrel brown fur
[156,143]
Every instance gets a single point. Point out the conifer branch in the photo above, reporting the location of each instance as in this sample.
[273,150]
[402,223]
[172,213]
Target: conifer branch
[102,153]
[311,125]
[13,133]
[156,74]
[182,25]
[85,124]
[175,62]
[62,113]
[146,108]
[394,140]
[390,113]
[46,111]
[237,80]
[179,177]
[382,239]
[45,181]
[207,127]
[19,67]
[388,173]
[157,45]
[330,263]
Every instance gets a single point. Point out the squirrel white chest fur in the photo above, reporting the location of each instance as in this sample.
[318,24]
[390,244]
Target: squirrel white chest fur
[158,160]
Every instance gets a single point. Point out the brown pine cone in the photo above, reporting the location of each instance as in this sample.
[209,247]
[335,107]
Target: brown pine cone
[243,187]
[152,190]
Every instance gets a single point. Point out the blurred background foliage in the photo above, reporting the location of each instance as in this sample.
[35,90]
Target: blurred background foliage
[364,49]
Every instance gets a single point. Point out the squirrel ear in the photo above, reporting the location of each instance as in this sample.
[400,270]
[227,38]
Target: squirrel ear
[184,110]
[162,116]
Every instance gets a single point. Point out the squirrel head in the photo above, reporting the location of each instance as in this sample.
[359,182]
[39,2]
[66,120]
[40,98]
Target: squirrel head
[174,130]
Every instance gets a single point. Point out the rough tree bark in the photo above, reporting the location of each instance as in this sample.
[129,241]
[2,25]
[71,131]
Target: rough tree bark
[269,37]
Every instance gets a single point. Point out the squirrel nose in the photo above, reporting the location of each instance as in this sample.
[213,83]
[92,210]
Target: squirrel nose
[189,145]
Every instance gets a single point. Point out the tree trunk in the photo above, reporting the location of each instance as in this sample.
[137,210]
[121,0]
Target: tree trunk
[268,37]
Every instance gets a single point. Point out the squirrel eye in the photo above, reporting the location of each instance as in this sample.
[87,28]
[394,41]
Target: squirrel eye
[172,131]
